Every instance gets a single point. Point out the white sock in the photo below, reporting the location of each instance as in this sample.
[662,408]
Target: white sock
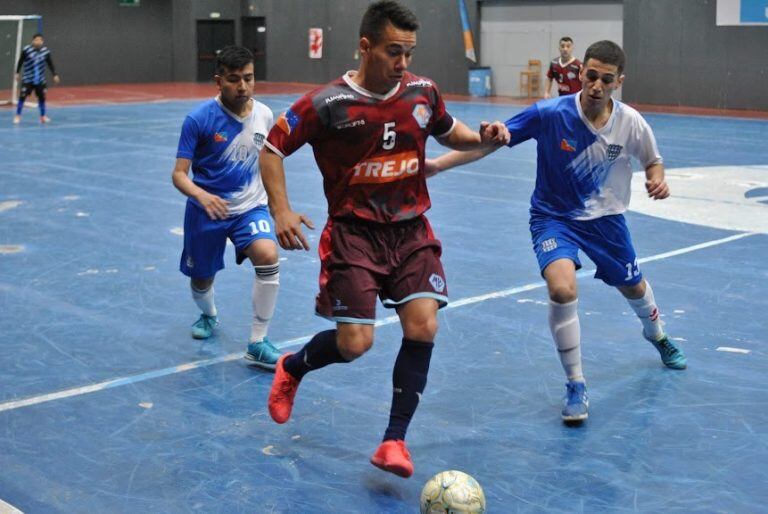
[648,312]
[265,287]
[566,331]
[204,300]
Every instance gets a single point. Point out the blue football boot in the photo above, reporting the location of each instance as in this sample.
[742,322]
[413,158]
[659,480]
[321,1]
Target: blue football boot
[672,356]
[575,402]
[203,327]
[263,354]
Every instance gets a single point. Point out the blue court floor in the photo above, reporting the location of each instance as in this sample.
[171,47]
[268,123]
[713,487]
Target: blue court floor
[108,405]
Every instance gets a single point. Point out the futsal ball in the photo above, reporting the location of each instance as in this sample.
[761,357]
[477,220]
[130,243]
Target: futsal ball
[452,492]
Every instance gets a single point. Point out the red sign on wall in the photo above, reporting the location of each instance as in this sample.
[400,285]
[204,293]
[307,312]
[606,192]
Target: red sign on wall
[315,43]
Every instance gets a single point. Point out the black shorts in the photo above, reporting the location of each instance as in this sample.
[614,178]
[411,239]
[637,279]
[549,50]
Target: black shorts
[360,260]
[39,89]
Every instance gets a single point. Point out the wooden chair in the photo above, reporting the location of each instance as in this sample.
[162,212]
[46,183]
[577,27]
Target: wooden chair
[530,79]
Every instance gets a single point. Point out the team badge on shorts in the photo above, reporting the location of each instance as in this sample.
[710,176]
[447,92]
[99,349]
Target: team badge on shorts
[548,245]
[438,284]
[613,152]
[422,114]
[190,262]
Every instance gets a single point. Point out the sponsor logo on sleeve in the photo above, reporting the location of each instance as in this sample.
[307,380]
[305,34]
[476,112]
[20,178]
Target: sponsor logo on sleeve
[288,121]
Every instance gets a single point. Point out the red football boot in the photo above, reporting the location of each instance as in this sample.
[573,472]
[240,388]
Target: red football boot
[284,387]
[393,456]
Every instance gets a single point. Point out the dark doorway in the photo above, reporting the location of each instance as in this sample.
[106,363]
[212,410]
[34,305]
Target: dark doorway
[255,40]
[212,36]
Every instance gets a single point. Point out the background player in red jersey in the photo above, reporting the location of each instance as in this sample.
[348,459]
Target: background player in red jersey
[368,130]
[564,70]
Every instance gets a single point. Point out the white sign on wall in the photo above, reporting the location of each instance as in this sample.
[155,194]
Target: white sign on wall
[315,43]
[742,12]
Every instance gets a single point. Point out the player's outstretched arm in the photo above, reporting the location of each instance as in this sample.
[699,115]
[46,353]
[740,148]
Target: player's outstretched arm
[215,207]
[456,158]
[655,183]
[287,222]
[489,135]
[469,145]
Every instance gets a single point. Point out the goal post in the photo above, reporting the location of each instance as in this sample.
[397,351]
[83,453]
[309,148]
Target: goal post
[15,32]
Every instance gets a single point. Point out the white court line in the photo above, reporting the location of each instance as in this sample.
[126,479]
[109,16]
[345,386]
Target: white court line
[731,349]
[132,379]
[7,508]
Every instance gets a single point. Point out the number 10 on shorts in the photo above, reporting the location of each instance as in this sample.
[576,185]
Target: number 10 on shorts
[263,226]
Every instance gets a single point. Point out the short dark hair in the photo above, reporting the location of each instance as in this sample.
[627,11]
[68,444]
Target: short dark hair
[379,13]
[232,58]
[566,38]
[607,52]
[36,35]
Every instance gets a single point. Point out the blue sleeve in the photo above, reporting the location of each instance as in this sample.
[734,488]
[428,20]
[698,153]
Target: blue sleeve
[188,139]
[524,126]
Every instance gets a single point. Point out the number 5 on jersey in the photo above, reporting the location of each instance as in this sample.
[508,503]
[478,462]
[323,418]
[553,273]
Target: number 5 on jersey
[389,136]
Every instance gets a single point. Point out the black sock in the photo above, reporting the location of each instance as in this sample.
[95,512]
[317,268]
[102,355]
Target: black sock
[320,351]
[409,378]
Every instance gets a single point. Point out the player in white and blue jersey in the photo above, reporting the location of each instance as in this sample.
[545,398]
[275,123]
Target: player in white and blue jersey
[220,141]
[30,74]
[583,177]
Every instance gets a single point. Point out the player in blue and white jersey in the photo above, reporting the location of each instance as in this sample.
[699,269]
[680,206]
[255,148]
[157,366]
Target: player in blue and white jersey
[583,176]
[220,141]
[30,74]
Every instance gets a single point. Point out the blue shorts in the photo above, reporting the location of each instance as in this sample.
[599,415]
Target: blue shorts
[205,239]
[605,240]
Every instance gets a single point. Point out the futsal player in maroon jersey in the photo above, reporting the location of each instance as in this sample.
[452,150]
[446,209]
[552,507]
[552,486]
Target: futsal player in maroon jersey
[564,70]
[368,130]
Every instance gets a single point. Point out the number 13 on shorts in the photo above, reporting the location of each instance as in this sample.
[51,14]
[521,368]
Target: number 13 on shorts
[632,270]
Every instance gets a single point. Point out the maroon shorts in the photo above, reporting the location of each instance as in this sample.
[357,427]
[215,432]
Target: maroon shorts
[397,262]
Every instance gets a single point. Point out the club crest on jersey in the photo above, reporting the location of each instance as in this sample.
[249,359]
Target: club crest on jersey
[422,114]
[220,137]
[438,284]
[288,121]
[386,168]
[258,140]
[613,152]
[569,145]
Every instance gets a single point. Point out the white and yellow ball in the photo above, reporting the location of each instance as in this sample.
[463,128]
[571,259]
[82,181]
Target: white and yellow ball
[452,492]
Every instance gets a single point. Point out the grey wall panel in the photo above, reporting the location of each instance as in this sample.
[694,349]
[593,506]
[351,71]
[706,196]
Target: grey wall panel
[440,52]
[97,41]
[678,56]
[516,31]
[184,28]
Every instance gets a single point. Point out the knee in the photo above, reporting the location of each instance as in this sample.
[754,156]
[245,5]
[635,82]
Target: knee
[633,292]
[354,343]
[201,284]
[563,293]
[421,328]
[263,255]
